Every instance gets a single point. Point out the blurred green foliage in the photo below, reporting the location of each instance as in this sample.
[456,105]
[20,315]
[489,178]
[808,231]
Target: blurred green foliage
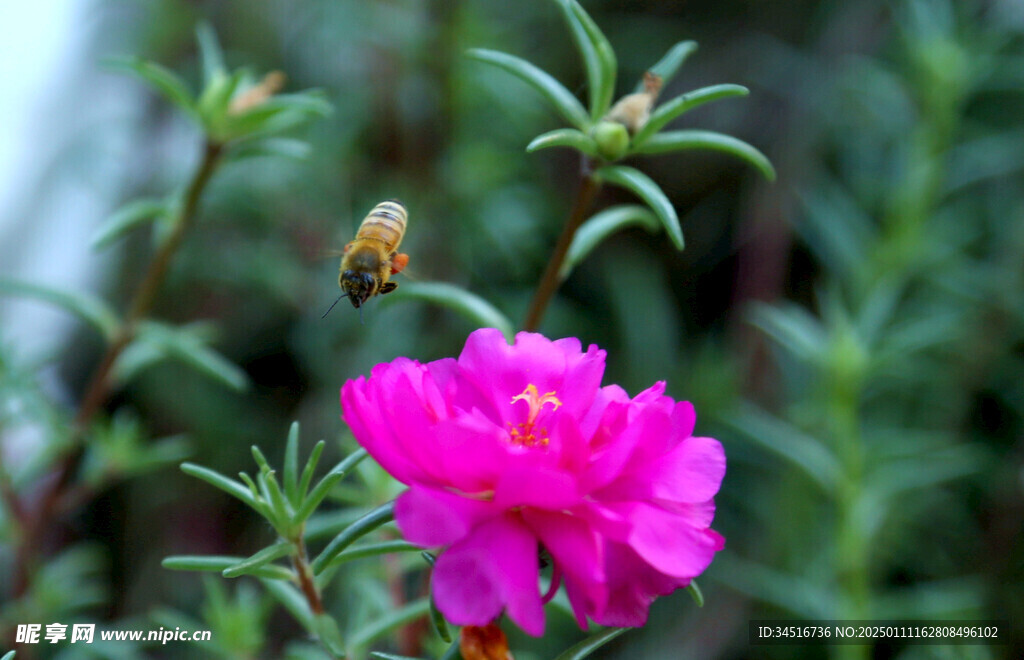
[871,402]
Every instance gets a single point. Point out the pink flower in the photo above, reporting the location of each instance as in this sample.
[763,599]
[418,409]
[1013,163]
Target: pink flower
[510,449]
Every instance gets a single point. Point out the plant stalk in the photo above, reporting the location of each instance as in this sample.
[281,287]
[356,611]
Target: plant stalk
[98,389]
[300,561]
[550,280]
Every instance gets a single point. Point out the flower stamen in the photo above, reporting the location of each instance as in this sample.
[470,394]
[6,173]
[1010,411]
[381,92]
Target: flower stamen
[522,433]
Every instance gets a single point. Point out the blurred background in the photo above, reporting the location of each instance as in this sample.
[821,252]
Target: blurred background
[853,333]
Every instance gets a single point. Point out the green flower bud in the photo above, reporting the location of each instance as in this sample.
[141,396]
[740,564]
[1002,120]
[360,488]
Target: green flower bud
[612,139]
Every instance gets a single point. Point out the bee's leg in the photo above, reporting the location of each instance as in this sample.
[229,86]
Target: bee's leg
[388,287]
[398,262]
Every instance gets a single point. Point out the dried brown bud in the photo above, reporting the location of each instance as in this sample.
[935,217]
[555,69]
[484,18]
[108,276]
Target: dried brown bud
[271,84]
[633,110]
[484,643]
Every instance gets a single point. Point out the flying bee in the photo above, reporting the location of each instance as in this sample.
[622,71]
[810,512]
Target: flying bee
[372,258]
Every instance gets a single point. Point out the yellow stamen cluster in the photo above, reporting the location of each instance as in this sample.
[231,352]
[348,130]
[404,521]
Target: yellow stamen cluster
[523,433]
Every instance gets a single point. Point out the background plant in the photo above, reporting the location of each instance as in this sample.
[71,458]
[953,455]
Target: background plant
[410,114]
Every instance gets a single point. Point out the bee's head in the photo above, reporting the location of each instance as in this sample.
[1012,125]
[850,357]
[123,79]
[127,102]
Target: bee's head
[359,286]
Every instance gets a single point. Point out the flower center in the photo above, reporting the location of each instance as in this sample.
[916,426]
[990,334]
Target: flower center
[523,434]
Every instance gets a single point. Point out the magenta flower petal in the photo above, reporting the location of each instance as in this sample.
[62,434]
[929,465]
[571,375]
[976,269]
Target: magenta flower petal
[670,543]
[539,487]
[432,518]
[511,449]
[494,568]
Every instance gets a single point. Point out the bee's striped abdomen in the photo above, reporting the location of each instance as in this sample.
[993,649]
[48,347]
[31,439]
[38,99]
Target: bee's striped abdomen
[385,223]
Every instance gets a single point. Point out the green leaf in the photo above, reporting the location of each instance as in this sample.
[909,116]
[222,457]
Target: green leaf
[8,656]
[249,565]
[453,652]
[391,656]
[86,307]
[276,115]
[591,644]
[564,137]
[602,225]
[214,103]
[292,600]
[669,65]
[694,589]
[383,514]
[373,550]
[473,307]
[125,219]
[598,58]
[643,187]
[226,484]
[602,88]
[187,344]
[683,103]
[565,103]
[210,53]
[389,622]
[291,466]
[329,635]
[438,623]
[324,486]
[161,78]
[679,140]
[307,472]
[218,564]
[271,148]
[788,442]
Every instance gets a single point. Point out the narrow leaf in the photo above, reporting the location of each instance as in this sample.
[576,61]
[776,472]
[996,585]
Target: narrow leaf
[125,219]
[373,550]
[291,466]
[383,514]
[593,65]
[8,656]
[643,187]
[329,635]
[669,65]
[679,140]
[453,652]
[473,307]
[788,442]
[161,78]
[323,487]
[292,600]
[271,148]
[601,100]
[391,656]
[438,622]
[601,226]
[218,564]
[307,472]
[187,344]
[694,589]
[86,307]
[210,53]
[591,644]
[226,484]
[389,622]
[565,103]
[250,564]
[683,103]
[564,137]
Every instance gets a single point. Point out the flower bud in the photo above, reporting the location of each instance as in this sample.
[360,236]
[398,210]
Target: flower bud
[612,139]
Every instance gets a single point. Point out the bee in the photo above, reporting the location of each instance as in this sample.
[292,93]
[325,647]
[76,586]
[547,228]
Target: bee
[370,260]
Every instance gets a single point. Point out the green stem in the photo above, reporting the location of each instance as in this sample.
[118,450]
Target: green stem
[852,560]
[550,280]
[301,563]
[49,501]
